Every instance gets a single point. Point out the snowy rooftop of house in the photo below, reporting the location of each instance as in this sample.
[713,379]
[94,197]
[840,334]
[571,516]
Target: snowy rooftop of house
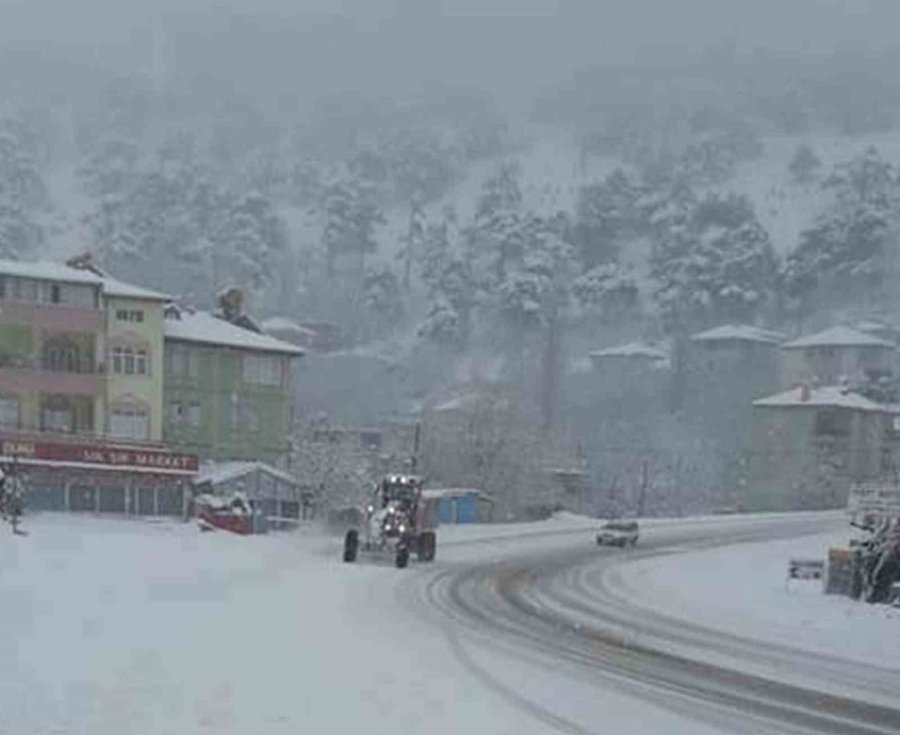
[838,337]
[742,332]
[115,287]
[219,472]
[43,270]
[203,327]
[283,324]
[632,349]
[832,396]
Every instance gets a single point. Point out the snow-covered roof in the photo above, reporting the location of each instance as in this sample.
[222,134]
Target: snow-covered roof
[45,270]
[115,287]
[742,332]
[283,324]
[838,337]
[632,349]
[219,472]
[203,327]
[831,396]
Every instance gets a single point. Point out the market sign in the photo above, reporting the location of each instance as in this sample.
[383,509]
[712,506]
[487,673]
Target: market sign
[874,498]
[114,456]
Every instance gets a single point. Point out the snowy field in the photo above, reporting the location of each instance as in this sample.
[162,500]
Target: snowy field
[115,626]
[743,589]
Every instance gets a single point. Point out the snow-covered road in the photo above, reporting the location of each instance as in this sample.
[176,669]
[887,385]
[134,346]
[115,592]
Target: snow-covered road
[115,626]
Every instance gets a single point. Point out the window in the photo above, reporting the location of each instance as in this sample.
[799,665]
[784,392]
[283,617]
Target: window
[184,361]
[262,369]
[129,421]
[25,289]
[175,411]
[181,412]
[193,414]
[54,294]
[130,361]
[57,415]
[9,412]
[130,315]
[244,414]
[140,362]
[832,422]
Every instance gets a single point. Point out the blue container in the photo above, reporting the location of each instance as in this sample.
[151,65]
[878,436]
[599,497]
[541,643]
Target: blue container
[467,508]
[446,511]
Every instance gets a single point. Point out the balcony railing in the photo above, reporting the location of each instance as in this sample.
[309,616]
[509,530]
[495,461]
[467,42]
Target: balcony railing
[73,365]
[80,366]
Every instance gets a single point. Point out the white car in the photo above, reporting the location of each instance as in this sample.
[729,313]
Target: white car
[618,533]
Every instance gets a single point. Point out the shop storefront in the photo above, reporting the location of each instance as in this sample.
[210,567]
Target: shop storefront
[98,478]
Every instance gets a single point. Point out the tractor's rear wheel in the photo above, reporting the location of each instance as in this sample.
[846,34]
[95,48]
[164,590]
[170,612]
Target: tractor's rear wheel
[427,546]
[402,558]
[351,546]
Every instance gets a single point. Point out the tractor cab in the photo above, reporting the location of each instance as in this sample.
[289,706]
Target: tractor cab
[401,491]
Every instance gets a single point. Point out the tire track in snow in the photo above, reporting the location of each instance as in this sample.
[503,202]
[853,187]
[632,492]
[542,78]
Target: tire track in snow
[493,602]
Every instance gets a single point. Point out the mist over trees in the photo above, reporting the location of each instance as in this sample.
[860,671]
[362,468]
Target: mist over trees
[481,231]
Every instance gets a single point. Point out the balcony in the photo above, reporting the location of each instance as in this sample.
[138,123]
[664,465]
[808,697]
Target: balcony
[53,316]
[70,376]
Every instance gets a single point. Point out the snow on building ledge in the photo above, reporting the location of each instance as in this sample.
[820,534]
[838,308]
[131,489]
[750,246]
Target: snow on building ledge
[838,337]
[740,333]
[829,396]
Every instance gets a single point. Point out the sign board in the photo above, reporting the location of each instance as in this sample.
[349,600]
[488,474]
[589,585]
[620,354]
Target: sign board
[113,456]
[806,569]
[875,499]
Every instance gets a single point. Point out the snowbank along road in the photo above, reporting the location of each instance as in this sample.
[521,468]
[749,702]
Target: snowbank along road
[552,607]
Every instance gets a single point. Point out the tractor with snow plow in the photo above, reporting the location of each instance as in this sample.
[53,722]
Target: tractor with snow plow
[398,521]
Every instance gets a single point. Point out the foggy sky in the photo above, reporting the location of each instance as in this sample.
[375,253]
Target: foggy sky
[384,46]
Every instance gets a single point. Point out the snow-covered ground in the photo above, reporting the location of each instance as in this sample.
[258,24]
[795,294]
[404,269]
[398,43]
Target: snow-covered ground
[116,626]
[743,590]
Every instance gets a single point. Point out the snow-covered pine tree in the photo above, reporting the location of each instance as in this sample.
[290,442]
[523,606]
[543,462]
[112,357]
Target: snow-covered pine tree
[413,242]
[500,192]
[254,239]
[804,166]
[852,238]
[351,215]
[382,299]
[23,193]
[447,276]
[719,261]
[605,213]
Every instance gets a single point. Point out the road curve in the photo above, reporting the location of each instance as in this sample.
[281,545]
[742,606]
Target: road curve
[552,606]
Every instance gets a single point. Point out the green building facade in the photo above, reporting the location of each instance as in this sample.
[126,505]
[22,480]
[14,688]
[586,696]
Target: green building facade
[228,390]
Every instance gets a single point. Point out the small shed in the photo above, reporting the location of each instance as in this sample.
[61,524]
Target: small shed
[462,505]
[276,494]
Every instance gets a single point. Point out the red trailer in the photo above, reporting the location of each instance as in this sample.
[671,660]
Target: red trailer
[233,514]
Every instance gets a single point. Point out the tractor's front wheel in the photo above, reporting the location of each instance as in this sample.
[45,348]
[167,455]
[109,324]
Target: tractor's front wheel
[351,546]
[402,558]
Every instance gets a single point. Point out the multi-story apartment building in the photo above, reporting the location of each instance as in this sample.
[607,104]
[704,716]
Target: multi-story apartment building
[228,389]
[81,391]
[79,353]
